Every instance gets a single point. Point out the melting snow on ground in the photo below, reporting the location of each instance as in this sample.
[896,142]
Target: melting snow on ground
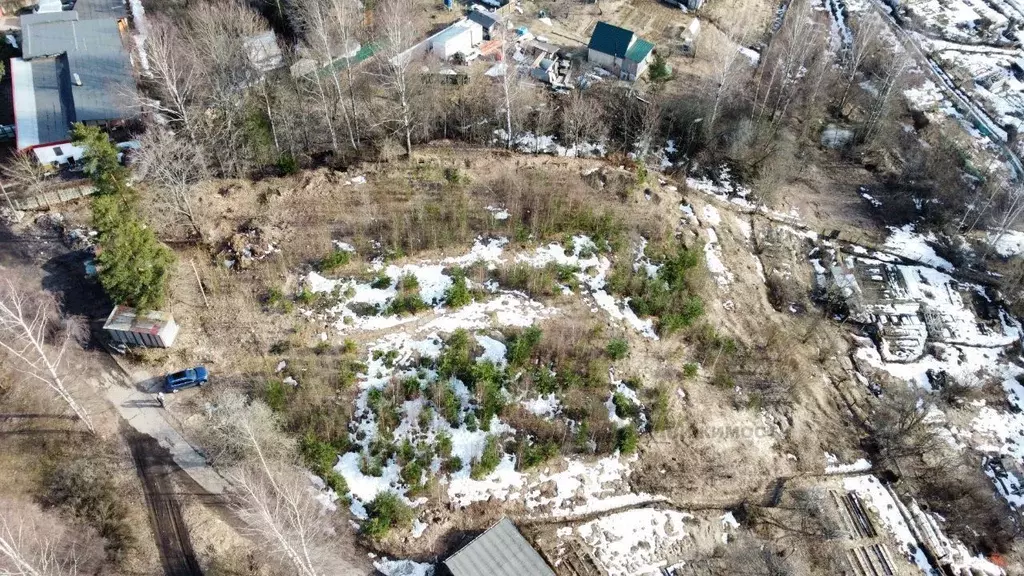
[909,244]
[878,498]
[637,541]
[1006,245]
[353,297]
[713,257]
[403,568]
[833,466]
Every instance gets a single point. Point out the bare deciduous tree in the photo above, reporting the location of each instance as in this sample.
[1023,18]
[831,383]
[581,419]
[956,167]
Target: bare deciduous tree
[237,430]
[34,544]
[581,120]
[37,339]
[279,509]
[510,88]
[318,27]
[720,85]
[865,43]
[174,72]
[395,65]
[172,168]
[887,85]
[23,170]
[1008,213]
[219,36]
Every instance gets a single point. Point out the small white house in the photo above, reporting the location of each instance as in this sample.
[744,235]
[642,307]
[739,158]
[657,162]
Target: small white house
[154,329]
[462,36]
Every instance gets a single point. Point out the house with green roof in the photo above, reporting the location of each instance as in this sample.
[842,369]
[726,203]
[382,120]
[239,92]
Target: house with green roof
[619,51]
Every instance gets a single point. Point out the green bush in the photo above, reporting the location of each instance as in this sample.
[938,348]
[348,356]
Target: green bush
[659,410]
[457,295]
[690,370]
[521,346]
[336,259]
[425,418]
[406,303]
[275,395]
[626,439]
[276,300]
[581,438]
[488,460]
[370,466]
[624,407]
[381,281]
[532,454]
[349,346]
[287,165]
[384,409]
[617,349]
[659,71]
[538,282]
[447,402]
[305,296]
[544,381]
[667,297]
[453,464]
[455,360]
[386,512]
[444,445]
[406,452]
[412,473]
[411,388]
[408,281]
[492,404]
[321,457]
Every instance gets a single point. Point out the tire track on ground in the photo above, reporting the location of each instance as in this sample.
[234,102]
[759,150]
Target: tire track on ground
[155,468]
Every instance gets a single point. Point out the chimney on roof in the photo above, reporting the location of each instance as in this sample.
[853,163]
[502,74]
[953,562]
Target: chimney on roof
[76,79]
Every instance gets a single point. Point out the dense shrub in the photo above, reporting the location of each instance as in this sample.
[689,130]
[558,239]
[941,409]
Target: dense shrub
[336,259]
[275,395]
[617,349]
[321,457]
[626,439]
[690,370]
[533,454]
[538,282]
[457,295]
[84,489]
[624,407]
[521,346]
[668,297]
[386,512]
[455,360]
[488,460]
[447,402]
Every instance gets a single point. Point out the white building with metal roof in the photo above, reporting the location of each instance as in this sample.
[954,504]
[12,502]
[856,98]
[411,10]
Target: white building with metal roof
[71,70]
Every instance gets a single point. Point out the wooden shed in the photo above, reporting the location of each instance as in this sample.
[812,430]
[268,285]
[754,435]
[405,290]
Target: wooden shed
[154,329]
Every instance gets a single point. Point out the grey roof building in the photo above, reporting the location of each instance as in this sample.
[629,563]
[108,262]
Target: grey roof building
[71,70]
[100,9]
[500,551]
[491,22]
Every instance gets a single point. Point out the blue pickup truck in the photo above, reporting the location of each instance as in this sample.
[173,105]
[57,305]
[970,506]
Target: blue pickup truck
[186,379]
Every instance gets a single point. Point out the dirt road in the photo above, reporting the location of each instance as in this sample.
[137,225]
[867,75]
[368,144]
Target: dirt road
[157,471]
